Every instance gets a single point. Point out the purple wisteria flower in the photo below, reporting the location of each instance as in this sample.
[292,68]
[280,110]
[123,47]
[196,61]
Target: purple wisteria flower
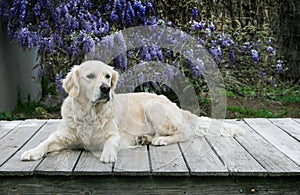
[114,16]
[216,52]
[255,55]
[246,45]
[48,44]
[208,33]
[88,43]
[212,27]
[270,42]
[140,78]
[151,53]
[145,54]
[58,82]
[160,54]
[138,5]
[198,25]
[129,12]
[71,30]
[198,68]
[226,40]
[279,66]
[195,13]
[121,59]
[271,50]
[149,6]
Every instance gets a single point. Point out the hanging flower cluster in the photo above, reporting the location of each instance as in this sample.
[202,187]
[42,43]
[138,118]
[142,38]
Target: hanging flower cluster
[65,31]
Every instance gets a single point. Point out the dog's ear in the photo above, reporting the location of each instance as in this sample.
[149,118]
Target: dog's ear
[114,79]
[71,82]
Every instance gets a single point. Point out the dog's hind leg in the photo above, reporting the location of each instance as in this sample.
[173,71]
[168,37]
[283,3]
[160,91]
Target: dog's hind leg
[171,139]
[165,122]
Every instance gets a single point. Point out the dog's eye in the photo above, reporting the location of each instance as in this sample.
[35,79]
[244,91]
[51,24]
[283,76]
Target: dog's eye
[90,76]
[107,76]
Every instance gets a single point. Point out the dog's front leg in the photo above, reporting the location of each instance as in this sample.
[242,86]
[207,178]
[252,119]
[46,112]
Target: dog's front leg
[109,154]
[55,142]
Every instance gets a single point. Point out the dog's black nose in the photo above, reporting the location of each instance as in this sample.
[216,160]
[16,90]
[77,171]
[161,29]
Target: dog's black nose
[104,88]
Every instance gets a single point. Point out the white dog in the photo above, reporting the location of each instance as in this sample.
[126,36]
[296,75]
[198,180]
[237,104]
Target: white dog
[96,119]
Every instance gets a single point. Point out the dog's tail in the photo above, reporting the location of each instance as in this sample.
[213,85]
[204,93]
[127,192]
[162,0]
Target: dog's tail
[205,126]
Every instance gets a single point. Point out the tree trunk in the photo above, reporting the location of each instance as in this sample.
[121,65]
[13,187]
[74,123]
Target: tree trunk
[286,26]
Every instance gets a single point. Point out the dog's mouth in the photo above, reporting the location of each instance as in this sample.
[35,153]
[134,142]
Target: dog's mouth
[103,98]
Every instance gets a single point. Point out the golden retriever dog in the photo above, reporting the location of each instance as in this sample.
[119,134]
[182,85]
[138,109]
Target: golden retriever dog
[97,119]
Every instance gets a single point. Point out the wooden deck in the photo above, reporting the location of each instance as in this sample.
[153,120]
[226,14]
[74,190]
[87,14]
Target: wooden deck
[269,152]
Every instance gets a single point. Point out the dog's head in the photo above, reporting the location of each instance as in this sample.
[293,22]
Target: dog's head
[93,81]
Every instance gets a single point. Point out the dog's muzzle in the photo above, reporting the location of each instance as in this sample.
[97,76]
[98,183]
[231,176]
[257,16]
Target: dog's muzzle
[105,93]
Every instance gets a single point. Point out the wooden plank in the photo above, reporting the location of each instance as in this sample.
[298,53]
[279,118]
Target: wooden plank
[14,166]
[274,161]
[60,163]
[133,161]
[7,126]
[277,137]
[288,125]
[297,120]
[201,159]
[12,142]
[90,164]
[237,160]
[150,185]
[167,160]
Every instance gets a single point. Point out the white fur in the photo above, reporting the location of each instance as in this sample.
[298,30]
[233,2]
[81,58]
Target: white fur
[124,121]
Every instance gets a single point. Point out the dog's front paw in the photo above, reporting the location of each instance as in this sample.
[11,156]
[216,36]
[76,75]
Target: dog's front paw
[32,155]
[108,156]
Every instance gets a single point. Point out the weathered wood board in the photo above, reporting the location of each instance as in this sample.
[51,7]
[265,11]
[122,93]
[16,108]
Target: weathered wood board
[277,137]
[268,147]
[167,160]
[89,164]
[235,157]
[6,127]
[13,141]
[275,162]
[62,163]
[288,125]
[15,166]
[201,159]
[133,161]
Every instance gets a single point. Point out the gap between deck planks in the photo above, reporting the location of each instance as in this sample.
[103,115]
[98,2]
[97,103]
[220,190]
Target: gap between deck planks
[268,147]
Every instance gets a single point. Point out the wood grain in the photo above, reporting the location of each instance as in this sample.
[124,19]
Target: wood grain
[275,162]
[167,160]
[297,120]
[14,166]
[89,164]
[13,141]
[61,163]
[268,147]
[201,159]
[237,160]
[277,137]
[133,161]
[288,125]
[7,126]
[149,185]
